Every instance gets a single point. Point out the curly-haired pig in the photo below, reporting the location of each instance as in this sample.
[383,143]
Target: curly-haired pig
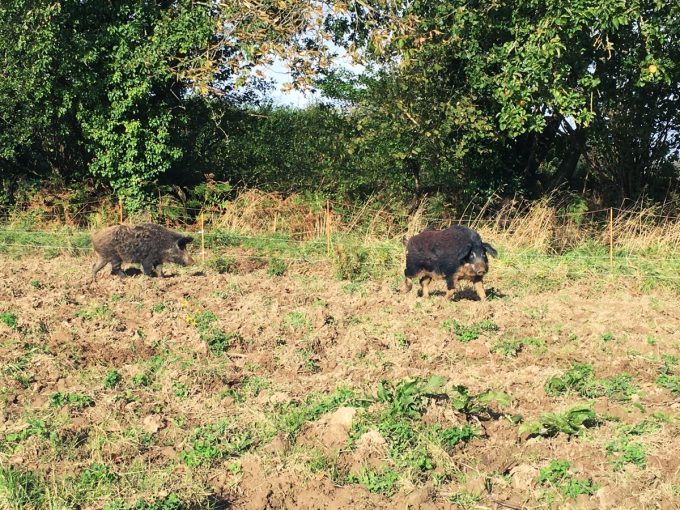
[147,244]
[456,253]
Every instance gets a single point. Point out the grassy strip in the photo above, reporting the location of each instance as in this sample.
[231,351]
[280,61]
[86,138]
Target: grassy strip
[359,259]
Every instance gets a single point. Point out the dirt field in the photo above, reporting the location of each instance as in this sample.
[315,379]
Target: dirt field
[246,390]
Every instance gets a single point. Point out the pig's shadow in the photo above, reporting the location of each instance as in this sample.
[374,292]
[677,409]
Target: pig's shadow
[469,294]
[135,271]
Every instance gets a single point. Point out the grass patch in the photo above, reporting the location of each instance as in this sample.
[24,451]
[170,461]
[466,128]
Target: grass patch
[465,499]
[218,340]
[512,348]
[580,379]
[21,488]
[297,321]
[624,451]
[557,476]
[28,239]
[276,267]
[76,401]
[10,320]
[357,261]
[112,379]
[222,264]
[98,311]
[467,333]
[381,481]
[667,377]
[169,502]
[291,416]
[213,442]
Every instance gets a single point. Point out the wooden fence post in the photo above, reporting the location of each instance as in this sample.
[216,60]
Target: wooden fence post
[328,227]
[202,236]
[611,237]
[120,209]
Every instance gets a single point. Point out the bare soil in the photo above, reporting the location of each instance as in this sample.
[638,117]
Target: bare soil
[304,334]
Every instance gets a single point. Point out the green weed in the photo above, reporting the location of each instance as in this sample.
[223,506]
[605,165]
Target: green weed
[402,341]
[511,348]
[36,427]
[112,379]
[101,311]
[625,451]
[351,262]
[91,484]
[381,481]
[667,378]
[452,436]
[357,288]
[141,379]
[508,348]
[169,502]
[10,320]
[215,441]
[571,422]
[74,400]
[398,422]
[465,500]
[557,475]
[218,341]
[478,405]
[276,267]
[292,416]
[469,333]
[580,379]
[203,320]
[407,397]
[320,463]
[310,363]
[180,390]
[158,307]
[297,321]
[222,264]
[17,369]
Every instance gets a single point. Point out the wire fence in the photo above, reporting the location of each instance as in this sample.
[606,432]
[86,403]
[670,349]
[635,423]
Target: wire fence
[318,245]
[571,265]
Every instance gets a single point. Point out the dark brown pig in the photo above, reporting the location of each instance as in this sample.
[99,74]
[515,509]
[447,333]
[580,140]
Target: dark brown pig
[146,244]
[456,253]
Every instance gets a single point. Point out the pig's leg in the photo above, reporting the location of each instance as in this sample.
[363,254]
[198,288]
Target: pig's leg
[424,284]
[148,268]
[115,267]
[451,286]
[479,287]
[97,267]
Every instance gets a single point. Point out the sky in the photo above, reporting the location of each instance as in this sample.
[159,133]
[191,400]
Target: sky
[280,74]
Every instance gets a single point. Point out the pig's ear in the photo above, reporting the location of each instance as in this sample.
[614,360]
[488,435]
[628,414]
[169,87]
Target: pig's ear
[183,241]
[490,249]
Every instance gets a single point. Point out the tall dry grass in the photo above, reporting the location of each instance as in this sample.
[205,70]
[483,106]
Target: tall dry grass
[541,226]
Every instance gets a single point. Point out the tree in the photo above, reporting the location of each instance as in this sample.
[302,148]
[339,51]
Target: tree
[528,87]
[103,88]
